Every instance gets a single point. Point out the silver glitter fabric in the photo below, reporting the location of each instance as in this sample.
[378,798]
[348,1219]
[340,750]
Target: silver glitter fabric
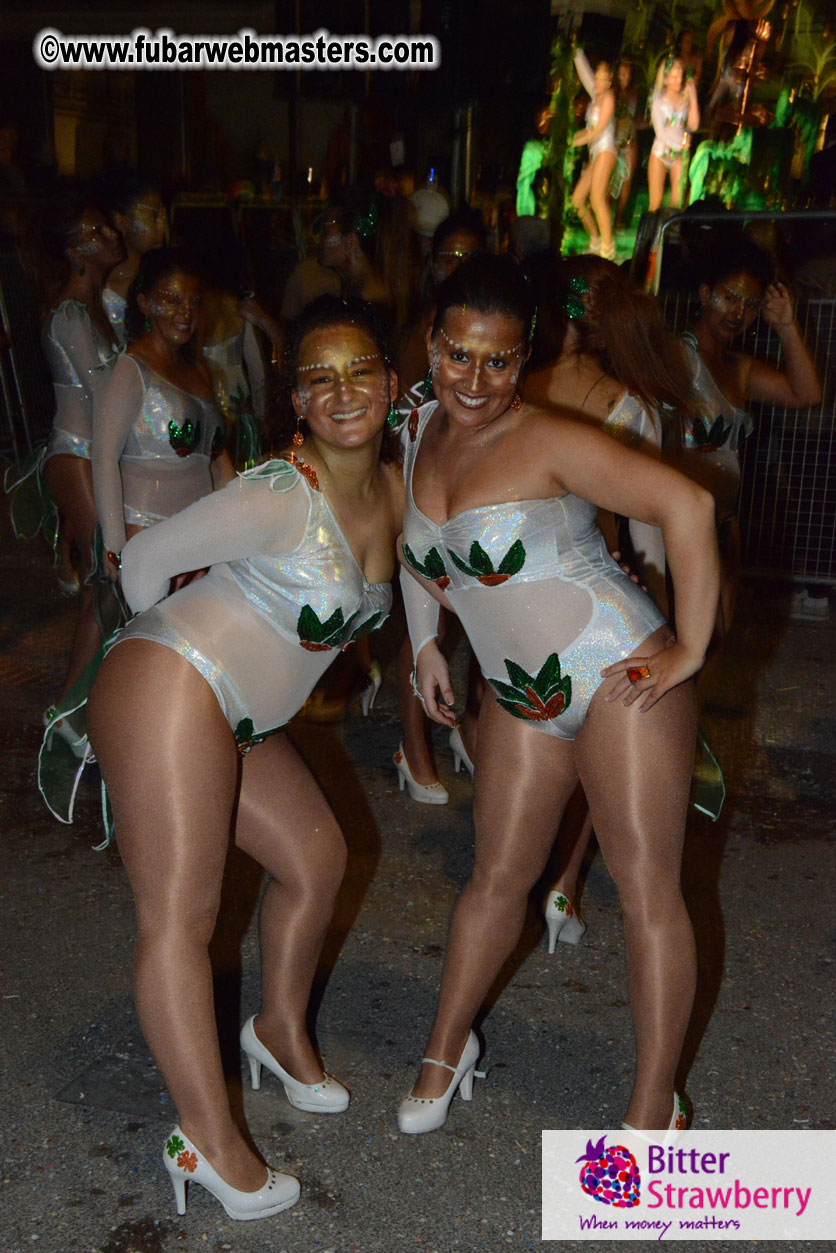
[164,404]
[79,359]
[263,629]
[115,306]
[538,594]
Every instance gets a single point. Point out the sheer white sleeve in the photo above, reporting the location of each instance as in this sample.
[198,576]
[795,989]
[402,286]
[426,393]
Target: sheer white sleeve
[115,407]
[584,71]
[421,612]
[251,515]
[80,369]
[254,363]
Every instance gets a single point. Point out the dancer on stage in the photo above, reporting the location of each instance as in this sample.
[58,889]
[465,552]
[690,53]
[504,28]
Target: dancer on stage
[587,681]
[592,188]
[675,115]
[158,435]
[186,718]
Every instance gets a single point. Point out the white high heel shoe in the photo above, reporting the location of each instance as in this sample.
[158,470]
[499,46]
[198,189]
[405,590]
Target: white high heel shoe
[185,1163]
[370,691]
[424,793]
[326,1097]
[419,1114]
[562,921]
[679,1119]
[461,757]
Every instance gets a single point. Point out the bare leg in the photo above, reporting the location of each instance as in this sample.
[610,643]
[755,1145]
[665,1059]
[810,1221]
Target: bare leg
[285,823]
[676,185]
[602,169]
[522,784]
[655,183]
[636,771]
[70,483]
[171,768]
[630,156]
[580,199]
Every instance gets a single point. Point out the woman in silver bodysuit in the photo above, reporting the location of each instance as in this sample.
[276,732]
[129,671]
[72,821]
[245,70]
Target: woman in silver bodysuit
[77,248]
[587,682]
[158,435]
[181,719]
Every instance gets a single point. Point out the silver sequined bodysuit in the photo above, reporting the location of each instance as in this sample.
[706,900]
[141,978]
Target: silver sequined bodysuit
[543,604]
[152,449]
[285,593]
[79,360]
[712,444]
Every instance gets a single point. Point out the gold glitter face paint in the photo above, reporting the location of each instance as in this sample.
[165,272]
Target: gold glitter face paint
[476,360]
[342,377]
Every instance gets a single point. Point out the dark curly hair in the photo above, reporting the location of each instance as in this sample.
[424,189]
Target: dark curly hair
[319,315]
[735,254]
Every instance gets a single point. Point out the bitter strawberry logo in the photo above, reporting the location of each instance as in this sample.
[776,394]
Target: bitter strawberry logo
[610,1174]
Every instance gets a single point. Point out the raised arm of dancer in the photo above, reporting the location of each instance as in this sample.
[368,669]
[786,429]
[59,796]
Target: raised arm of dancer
[115,406]
[584,72]
[798,385]
[252,515]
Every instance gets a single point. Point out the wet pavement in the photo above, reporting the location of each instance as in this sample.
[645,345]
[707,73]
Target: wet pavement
[86,1111]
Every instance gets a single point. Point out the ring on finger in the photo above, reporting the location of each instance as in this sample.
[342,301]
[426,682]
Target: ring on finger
[634,673]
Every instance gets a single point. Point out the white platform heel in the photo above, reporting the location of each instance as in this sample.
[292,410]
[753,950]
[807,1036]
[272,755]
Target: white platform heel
[419,1114]
[185,1164]
[562,921]
[326,1097]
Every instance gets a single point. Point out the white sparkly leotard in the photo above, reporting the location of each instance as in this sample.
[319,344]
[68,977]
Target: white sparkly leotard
[544,605]
[115,306]
[152,449]
[79,360]
[237,372]
[606,140]
[712,445]
[670,128]
[285,593]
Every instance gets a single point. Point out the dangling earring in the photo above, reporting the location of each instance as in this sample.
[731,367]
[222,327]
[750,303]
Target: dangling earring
[517,402]
[148,324]
[393,417]
[427,385]
[298,438]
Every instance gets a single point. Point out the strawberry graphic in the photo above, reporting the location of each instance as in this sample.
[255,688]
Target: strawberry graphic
[481,567]
[609,1174]
[534,698]
[318,637]
[184,439]
[431,568]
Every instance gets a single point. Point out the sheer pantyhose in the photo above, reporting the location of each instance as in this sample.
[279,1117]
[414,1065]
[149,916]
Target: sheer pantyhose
[178,786]
[635,769]
[70,484]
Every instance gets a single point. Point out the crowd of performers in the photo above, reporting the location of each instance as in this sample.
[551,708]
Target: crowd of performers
[475,443]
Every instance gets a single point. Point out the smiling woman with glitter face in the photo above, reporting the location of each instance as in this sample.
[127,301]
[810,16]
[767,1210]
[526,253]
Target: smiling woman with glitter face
[586,681]
[737,285]
[187,719]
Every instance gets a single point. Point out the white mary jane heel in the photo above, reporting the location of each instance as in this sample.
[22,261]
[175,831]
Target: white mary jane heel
[419,1114]
[326,1097]
[185,1163]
